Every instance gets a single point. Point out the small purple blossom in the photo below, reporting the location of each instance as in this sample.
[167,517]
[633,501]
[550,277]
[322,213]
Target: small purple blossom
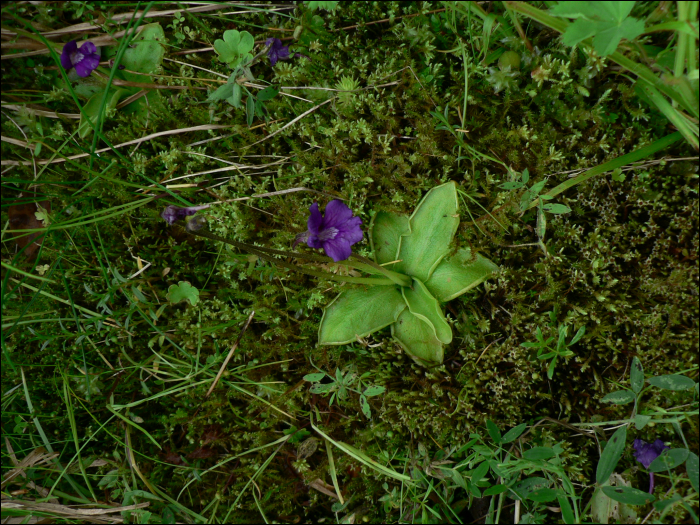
[645,453]
[85,60]
[277,51]
[335,233]
[172,214]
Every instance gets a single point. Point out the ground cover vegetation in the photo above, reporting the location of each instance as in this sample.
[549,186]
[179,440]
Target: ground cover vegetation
[164,289]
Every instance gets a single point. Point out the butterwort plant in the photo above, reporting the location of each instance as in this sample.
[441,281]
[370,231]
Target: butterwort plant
[416,248]
[412,271]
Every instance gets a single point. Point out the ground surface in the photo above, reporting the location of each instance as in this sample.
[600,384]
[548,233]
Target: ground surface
[377,103]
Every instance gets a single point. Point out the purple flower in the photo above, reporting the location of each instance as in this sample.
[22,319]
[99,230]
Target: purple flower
[172,214]
[335,233]
[645,453]
[85,60]
[277,51]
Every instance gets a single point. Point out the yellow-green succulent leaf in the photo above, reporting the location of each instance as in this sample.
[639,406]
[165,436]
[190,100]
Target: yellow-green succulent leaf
[458,274]
[385,232]
[432,227]
[424,306]
[418,339]
[358,312]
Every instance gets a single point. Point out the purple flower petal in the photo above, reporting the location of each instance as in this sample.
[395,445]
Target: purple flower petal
[338,249]
[87,65]
[337,213]
[70,48]
[645,452]
[351,230]
[277,51]
[88,48]
[315,219]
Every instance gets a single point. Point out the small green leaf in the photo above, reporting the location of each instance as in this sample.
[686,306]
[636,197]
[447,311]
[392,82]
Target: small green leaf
[637,375]
[374,391]
[577,337]
[550,368]
[328,5]
[529,485]
[567,513]
[320,388]
[268,93]
[556,208]
[496,489]
[358,312]
[620,397]
[418,339]
[109,478]
[611,455]
[541,226]
[183,291]
[458,274]
[236,94]
[432,227]
[691,467]
[222,92]
[481,470]
[537,453]
[493,431]
[669,459]
[364,405]
[424,306]
[458,479]
[314,377]
[387,230]
[543,495]
[250,109]
[514,433]
[537,188]
[511,185]
[640,421]
[672,382]
[609,34]
[628,495]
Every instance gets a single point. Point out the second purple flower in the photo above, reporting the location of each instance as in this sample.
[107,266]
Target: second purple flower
[335,233]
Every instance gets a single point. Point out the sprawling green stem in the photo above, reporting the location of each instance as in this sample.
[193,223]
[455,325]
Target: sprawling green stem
[266,254]
[372,267]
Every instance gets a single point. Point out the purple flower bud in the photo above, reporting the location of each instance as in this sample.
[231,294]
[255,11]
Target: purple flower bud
[85,60]
[172,214]
[335,233]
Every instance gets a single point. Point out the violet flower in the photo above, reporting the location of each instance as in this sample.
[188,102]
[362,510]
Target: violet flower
[645,453]
[277,51]
[335,233]
[85,60]
[172,214]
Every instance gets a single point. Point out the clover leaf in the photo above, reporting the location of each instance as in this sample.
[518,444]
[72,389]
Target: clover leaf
[418,247]
[606,22]
[235,48]
[182,291]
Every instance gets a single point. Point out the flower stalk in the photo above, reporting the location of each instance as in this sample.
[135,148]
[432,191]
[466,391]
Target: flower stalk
[267,253]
